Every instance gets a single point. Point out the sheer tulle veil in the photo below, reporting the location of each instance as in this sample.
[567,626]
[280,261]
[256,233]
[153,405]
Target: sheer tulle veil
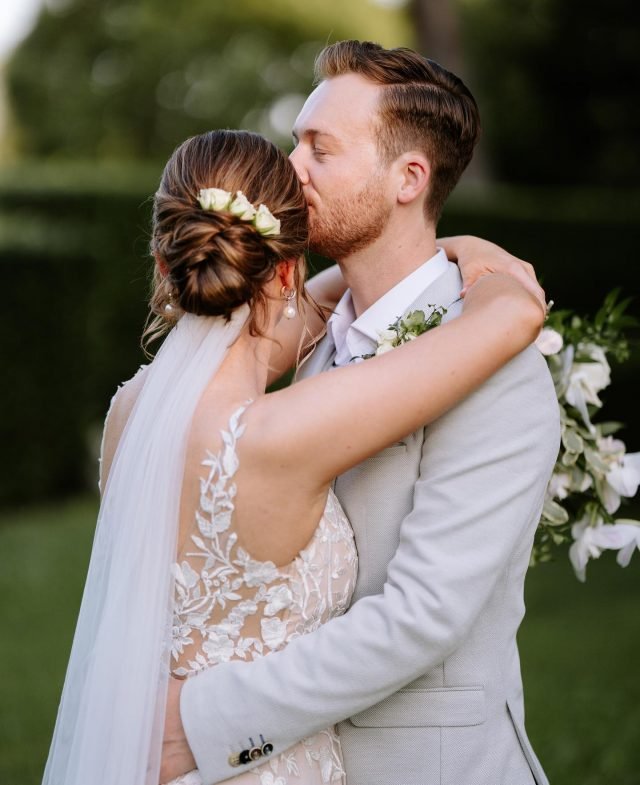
[111,715]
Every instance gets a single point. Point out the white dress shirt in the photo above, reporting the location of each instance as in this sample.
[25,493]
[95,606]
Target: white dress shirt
[354,337]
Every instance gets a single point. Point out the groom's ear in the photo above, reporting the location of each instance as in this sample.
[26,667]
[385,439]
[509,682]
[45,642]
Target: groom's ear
[414,172]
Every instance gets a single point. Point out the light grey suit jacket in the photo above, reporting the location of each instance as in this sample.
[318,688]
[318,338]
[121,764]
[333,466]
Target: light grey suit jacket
[425,664]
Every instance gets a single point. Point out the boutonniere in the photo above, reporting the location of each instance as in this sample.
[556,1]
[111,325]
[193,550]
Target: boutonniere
[406,328]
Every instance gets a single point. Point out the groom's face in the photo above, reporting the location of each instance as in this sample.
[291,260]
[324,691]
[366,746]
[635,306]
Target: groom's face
[337,161]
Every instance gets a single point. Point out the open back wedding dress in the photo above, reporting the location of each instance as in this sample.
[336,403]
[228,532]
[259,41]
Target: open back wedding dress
[230,606]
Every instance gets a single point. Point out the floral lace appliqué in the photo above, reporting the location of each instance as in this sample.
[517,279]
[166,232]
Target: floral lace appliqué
[228,605]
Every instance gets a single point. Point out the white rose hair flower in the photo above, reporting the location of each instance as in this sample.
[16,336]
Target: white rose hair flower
[242,207]
[220,201]
[265,222]
[214,199]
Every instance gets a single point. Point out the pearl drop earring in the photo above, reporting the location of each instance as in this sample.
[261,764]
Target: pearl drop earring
[288,296]
[170,307]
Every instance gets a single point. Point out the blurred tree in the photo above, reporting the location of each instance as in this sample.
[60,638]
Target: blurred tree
[558,84]
[438,33]
[124,79]
[437,25]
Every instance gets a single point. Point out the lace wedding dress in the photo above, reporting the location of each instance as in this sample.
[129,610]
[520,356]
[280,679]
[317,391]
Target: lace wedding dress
[228,605]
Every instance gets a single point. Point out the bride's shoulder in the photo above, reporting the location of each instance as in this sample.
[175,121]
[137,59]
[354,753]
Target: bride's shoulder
[125,396]
[120,408]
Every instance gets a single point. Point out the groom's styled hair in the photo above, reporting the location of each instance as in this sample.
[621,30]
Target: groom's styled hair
[422,107]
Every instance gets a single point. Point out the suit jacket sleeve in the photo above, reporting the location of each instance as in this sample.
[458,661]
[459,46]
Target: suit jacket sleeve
[484,469]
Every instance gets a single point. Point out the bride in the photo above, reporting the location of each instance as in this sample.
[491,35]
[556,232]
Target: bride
[219,536]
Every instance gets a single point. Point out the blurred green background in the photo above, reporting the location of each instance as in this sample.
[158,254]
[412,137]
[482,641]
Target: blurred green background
[93,101]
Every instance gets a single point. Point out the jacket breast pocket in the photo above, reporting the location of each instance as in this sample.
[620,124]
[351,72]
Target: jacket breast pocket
[428,707]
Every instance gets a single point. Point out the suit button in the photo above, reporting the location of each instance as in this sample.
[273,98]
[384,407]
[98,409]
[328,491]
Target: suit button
[234,760]
[267,748]
[255,753]
[244,756]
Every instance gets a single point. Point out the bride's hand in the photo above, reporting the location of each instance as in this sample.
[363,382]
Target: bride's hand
[516,304]
[477,257]
[177,758]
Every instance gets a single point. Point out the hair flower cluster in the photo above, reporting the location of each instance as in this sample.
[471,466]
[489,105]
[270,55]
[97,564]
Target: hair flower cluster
[220,201]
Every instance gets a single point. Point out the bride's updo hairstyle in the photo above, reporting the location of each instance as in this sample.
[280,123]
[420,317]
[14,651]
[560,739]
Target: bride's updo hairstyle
[209,263]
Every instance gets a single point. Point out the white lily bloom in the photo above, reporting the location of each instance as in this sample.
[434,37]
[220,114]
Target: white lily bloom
[596,353]
[629,531]
[586,380]
[549,341]
[607,445]
[266,223]
[214,199]
[624,476]
[559,485]
[609,497]
[590,541]
[242,207]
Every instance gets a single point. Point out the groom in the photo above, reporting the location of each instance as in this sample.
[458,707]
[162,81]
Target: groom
[422,673]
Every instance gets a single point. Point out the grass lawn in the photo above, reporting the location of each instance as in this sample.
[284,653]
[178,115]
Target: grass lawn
[579,645]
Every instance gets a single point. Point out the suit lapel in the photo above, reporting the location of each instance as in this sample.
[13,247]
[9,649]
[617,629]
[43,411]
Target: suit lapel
[444,291]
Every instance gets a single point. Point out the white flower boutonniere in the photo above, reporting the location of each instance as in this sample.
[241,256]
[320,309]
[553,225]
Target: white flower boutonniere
[406,328]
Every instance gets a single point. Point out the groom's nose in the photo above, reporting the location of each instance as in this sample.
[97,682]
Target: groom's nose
[297,159]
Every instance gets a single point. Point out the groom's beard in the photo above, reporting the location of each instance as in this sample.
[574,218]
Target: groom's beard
[349,223]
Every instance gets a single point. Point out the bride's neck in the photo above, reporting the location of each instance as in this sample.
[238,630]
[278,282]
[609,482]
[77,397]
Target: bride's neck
[246,366]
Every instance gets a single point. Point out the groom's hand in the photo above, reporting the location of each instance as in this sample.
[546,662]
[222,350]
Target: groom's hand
[176,754]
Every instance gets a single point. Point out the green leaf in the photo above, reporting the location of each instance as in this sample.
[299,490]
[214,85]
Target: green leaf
[415,318]
[572,440]
[554,514]
[608,428]
[569,458]
[594,460]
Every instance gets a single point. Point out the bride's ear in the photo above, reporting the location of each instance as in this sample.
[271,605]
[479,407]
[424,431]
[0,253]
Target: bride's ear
[285,271]
[161,265]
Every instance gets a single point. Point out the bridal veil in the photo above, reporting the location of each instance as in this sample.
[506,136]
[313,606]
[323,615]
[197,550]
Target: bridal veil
[111,715]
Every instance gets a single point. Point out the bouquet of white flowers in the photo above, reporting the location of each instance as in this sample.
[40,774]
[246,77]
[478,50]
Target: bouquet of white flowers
[594,470]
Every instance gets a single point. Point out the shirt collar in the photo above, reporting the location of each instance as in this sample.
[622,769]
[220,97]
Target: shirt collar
[351,335]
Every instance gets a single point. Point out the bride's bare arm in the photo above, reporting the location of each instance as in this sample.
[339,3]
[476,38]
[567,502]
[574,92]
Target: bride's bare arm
[476,257]
[326,288]
[121,405]
[335,420]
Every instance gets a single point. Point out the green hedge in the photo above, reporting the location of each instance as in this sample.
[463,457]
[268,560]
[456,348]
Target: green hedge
[73,256]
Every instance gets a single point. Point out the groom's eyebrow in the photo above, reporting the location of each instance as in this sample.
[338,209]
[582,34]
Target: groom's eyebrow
[312,133]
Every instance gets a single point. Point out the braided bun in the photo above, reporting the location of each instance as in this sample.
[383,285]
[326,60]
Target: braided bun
[214,262]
